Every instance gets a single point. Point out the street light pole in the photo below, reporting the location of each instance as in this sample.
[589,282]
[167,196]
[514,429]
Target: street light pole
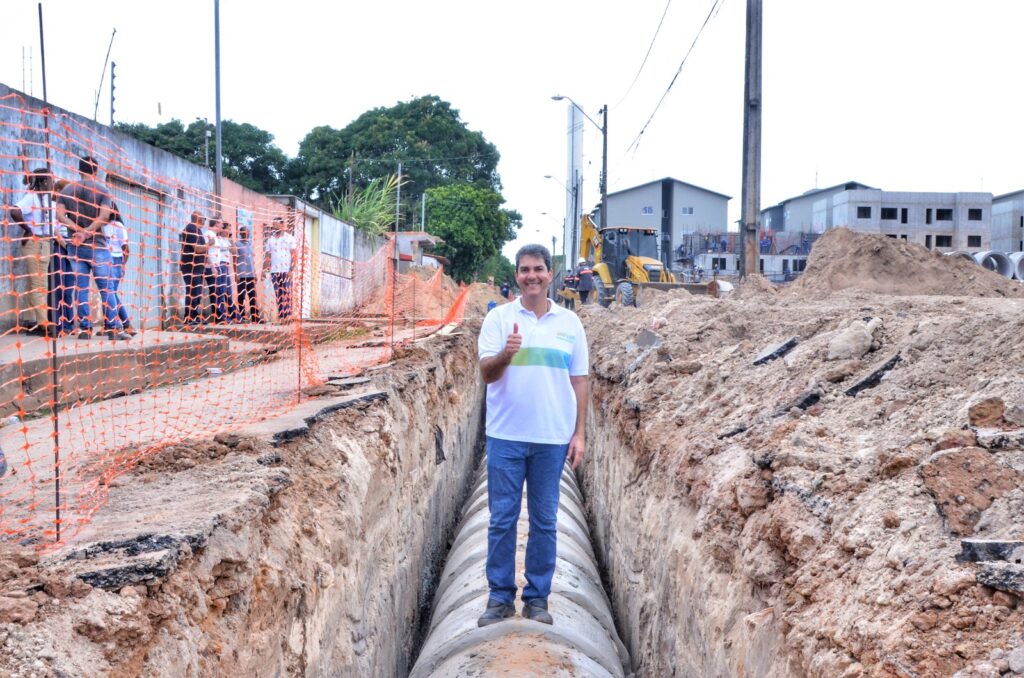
[604,154]
[605,217]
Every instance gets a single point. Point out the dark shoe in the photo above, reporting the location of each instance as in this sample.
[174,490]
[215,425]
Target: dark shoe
[85,334]
[118,335]
[496,612]
[537,610]
[131,331]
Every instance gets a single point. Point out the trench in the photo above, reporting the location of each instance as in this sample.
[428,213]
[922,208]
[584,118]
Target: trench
[356,547]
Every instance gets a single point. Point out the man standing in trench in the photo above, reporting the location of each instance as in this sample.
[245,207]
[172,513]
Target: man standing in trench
[534,360]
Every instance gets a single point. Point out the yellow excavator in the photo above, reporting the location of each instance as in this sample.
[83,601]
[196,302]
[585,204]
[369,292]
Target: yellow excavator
[625,261]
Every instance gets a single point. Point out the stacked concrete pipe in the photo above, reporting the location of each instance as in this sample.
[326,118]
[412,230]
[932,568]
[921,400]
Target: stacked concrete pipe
[962,255]
[995,261]
[582,641]
[1017,264]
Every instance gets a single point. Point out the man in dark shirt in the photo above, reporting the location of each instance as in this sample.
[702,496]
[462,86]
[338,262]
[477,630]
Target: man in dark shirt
[193,267]
[84,207]
[585,278]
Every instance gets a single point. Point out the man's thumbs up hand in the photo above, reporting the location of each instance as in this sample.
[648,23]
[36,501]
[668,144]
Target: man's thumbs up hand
[512,344]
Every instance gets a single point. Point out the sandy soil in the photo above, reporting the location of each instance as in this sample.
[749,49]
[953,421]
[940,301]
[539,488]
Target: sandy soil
[834,519]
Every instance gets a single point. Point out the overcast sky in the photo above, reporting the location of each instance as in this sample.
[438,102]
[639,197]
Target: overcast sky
[915,95]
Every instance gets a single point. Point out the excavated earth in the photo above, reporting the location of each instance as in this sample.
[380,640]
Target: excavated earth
[302,546]
[803,516]
[779,483]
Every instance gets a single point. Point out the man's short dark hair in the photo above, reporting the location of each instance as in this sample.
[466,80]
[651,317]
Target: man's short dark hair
[87,165]
[534,250]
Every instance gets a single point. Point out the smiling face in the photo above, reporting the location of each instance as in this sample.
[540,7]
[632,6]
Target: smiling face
[533,276]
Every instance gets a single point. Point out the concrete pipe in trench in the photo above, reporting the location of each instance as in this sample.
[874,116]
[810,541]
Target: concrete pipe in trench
[995,261]
[1017,264]
[583,640]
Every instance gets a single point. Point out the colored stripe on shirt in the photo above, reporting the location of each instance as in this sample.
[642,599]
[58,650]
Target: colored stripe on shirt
[535,356]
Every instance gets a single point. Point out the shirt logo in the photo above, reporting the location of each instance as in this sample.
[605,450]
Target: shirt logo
[564,336]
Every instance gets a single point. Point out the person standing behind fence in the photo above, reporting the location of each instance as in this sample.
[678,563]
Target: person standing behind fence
[34,212]
[84,207]
[117,241]
[219,258]
[280,262]
[210,274]
[194,250]
[245,271]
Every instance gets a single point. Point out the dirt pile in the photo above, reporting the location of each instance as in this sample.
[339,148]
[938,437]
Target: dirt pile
[754,285]
[481,294]
[803,516]
[842,259]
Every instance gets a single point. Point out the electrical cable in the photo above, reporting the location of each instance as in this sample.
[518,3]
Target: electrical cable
[679,70]
[644,62]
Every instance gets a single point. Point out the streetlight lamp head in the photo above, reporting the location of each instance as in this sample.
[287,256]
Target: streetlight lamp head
[557,97]
[548,176]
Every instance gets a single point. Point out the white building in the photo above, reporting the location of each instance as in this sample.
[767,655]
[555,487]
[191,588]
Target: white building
[1008,222]
[674,208]
[939,221]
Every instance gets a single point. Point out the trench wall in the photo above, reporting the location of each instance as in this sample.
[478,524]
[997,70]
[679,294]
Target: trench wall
[679,611]
[314,556]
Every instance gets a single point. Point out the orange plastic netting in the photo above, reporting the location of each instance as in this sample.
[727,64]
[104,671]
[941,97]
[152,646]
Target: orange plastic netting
[139,310]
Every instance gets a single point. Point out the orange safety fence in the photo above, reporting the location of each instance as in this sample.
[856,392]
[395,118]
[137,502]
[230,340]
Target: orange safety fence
[139,310]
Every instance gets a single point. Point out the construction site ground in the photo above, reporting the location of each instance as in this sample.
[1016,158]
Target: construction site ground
[801,516]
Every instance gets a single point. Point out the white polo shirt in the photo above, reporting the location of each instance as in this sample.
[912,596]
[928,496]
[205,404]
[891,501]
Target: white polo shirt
[533,401]
[38,216]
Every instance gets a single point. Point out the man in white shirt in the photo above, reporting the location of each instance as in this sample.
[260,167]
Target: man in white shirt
[34,213]
[280,261]
[534,360]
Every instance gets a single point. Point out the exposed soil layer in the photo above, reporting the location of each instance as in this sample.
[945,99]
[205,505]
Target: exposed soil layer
[238,557]
[759,521]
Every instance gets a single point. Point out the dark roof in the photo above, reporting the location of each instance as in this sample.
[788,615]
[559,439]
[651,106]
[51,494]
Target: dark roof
[658,181]
[845,186]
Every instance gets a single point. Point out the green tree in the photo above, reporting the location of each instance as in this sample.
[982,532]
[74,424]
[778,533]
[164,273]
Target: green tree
[371,209]
[249,155]
[500,267]
[425,134]
[472,223]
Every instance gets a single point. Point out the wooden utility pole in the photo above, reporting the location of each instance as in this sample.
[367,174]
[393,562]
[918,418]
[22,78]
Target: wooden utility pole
[748,261]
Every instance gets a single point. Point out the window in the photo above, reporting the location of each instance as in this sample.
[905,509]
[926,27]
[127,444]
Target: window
[799,264]
[903,215]
[974,214]
[903,237]
[974,241]
[943,215]
[889,213]
[687,210]
[928,241]
[928,216]
[890,235]
[647,211]
[718,263]
[863,212]
[943,241]
[760,264]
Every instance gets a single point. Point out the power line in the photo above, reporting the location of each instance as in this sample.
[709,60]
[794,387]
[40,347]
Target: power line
[644,62]
[714,6]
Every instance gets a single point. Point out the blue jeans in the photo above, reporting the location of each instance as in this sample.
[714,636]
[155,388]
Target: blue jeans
[86,259]
[117,275]
[222,286]
[509,463]
[64,290]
